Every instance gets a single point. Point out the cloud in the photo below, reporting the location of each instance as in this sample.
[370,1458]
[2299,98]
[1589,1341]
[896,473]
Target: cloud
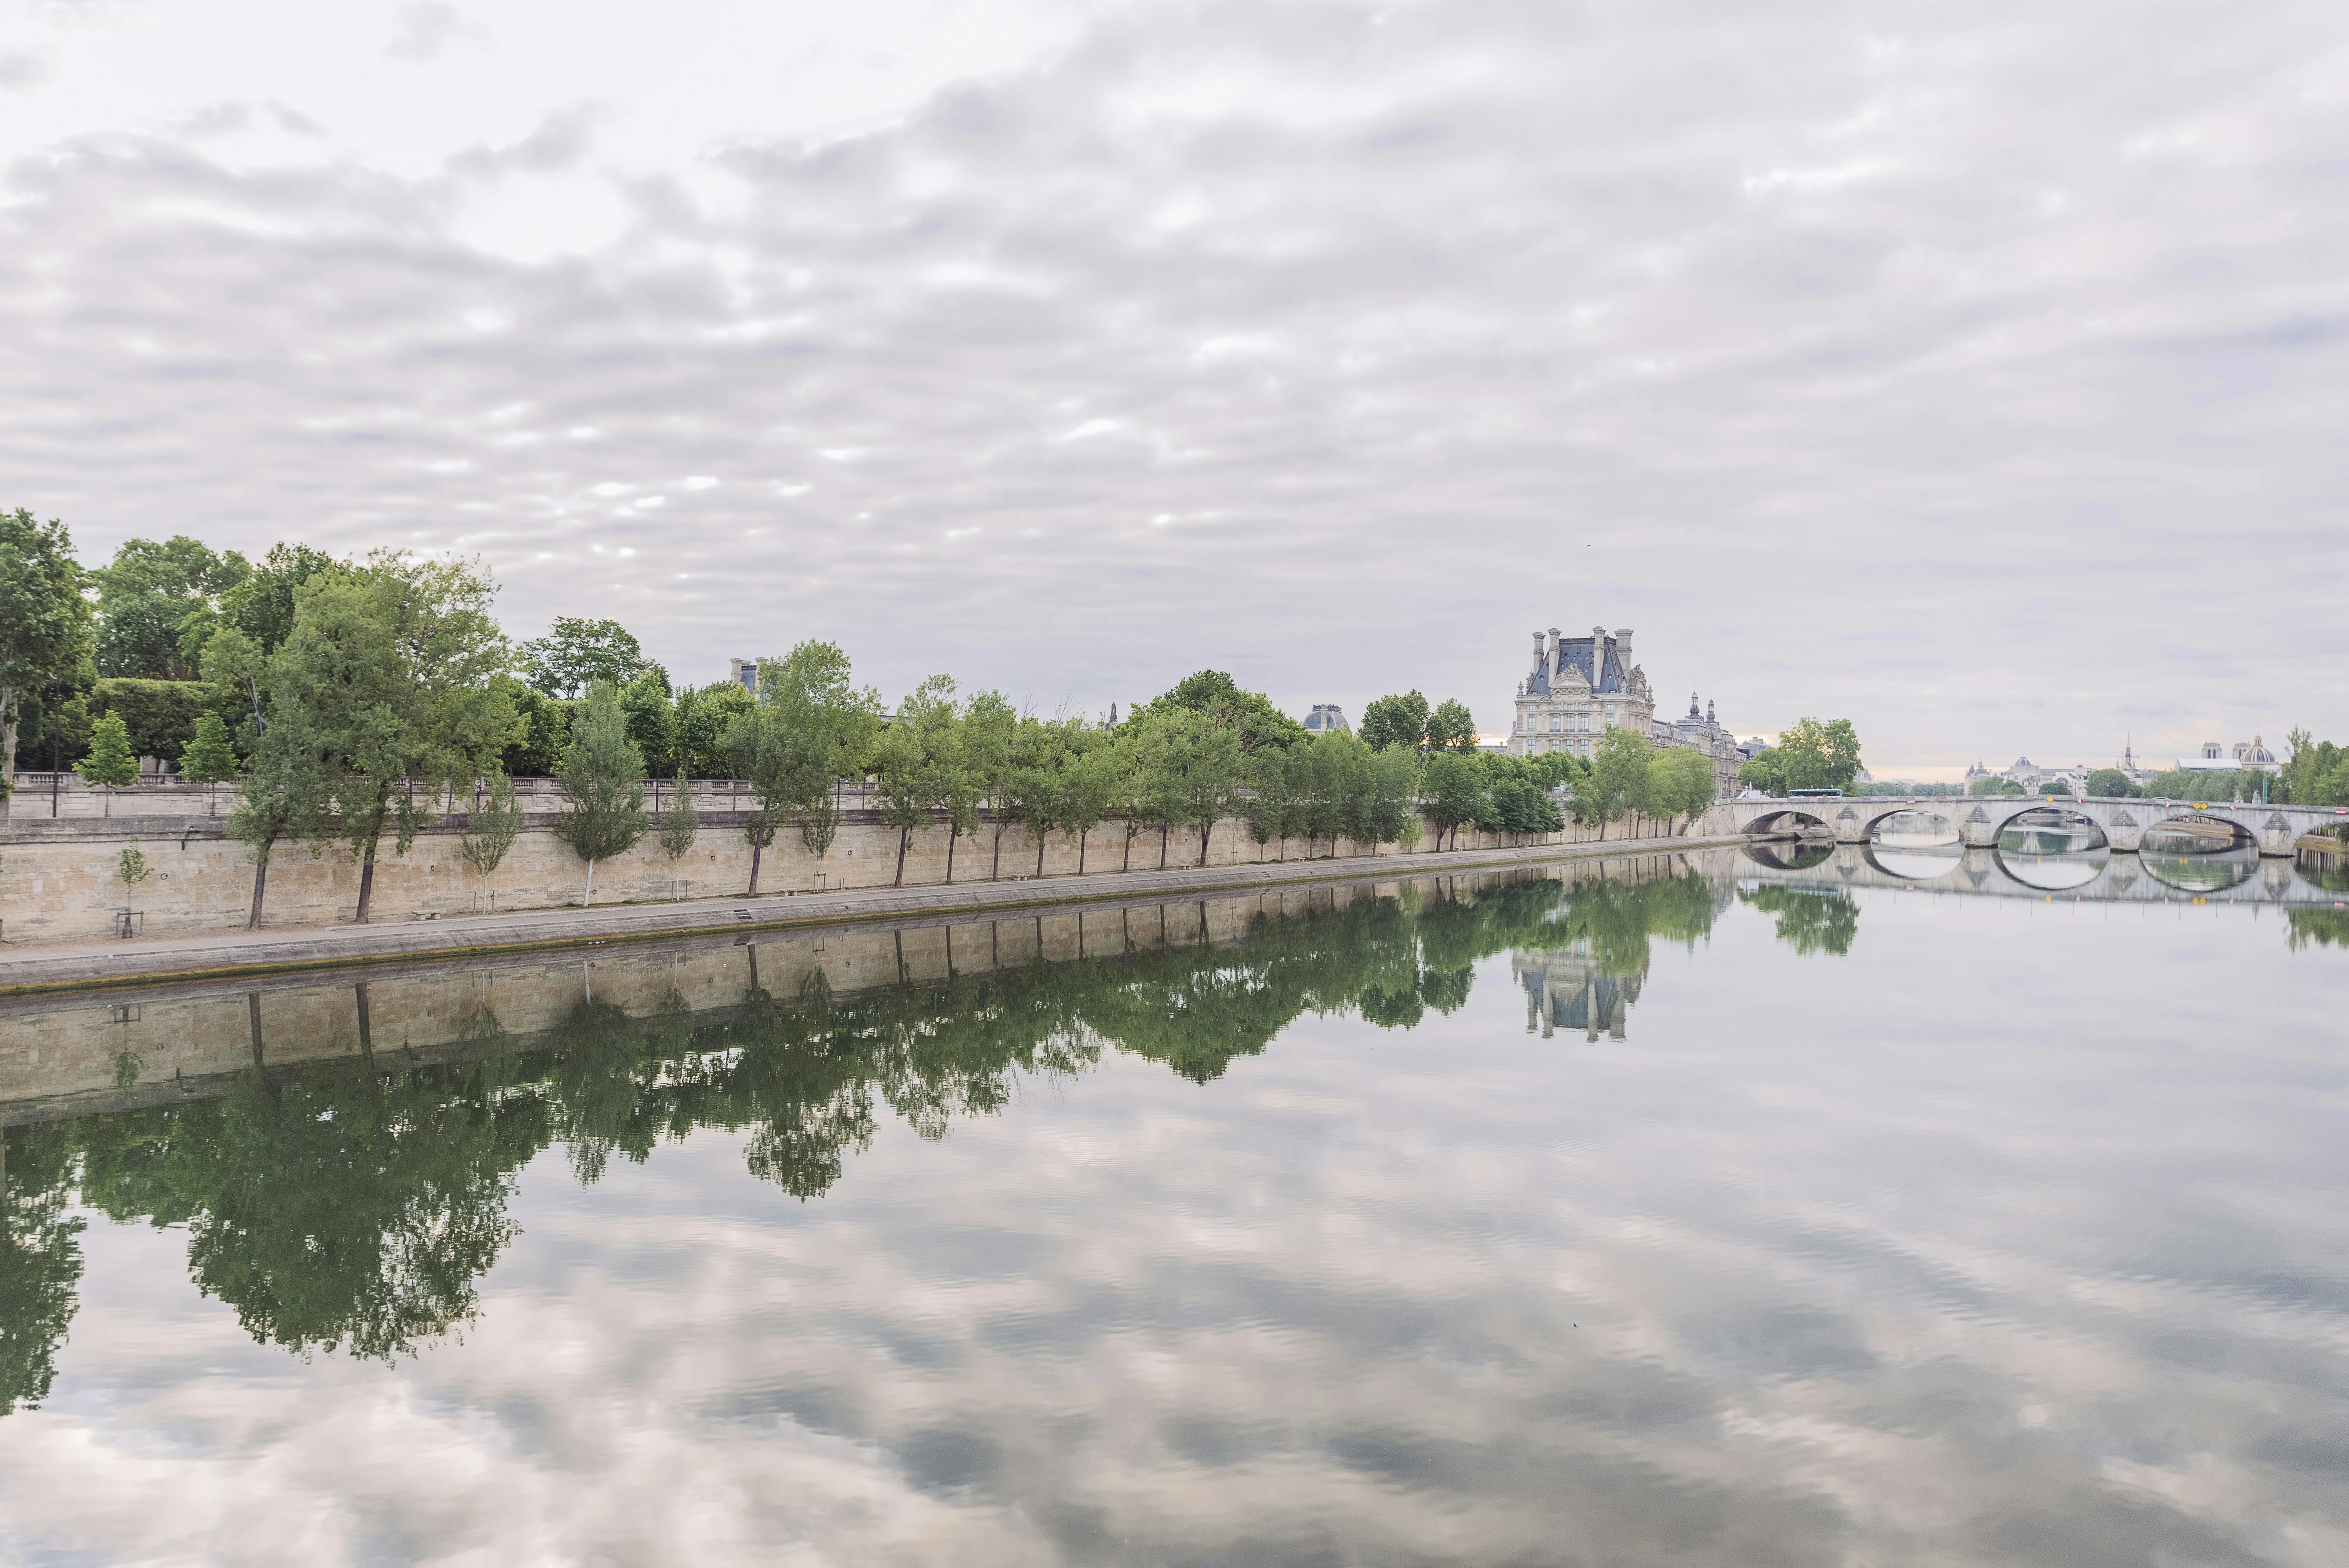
[1896,372]
[426,30]
[22,70]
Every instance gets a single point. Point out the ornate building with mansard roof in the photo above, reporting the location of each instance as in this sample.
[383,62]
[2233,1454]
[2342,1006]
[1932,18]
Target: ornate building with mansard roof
[1579,687]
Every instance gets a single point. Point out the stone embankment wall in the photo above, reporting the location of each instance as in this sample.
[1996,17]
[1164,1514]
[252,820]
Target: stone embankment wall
[57,879]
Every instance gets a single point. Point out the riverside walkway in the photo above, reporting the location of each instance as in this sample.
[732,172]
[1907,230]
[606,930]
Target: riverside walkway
[56,966]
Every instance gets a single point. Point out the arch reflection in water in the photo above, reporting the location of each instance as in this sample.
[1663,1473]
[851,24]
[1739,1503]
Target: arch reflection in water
[1791,854]
[2213,870]
[2054,850]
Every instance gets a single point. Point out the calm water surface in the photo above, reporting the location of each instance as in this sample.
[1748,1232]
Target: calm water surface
[1698,1211]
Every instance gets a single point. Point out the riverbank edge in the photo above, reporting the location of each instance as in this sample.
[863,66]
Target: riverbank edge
[39,971]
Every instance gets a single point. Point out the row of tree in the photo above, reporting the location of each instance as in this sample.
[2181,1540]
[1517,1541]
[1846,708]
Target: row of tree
[351,701]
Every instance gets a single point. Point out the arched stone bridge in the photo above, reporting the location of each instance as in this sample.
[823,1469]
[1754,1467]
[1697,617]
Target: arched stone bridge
[2241,878]
[1977,819]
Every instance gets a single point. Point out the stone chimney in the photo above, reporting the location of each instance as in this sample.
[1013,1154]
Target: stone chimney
[1623,645]
[1538,654]
[1557,650]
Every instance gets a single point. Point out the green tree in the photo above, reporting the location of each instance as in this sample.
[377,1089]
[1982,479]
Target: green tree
[45,622]
[1617,778]
[1451,727]
[148,598]
[653,718]
[111,763]
[706,716]
[1816,754]
[1218,697]
[679,823]
[1394,798]
[917,761]
[210,759]
[260,606]
[603,784]
[1454,787]
[1395,721]
[1680,783]
[991,731]
[286,786]
[394,678]
[130,869]
[809,728]
[1274,808]
[2110,784]
[491,830]
[578,653]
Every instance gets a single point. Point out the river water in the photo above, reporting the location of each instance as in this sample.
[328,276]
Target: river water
[1695,1210]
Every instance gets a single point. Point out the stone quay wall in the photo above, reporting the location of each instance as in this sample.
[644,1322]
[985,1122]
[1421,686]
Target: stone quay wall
[58,883]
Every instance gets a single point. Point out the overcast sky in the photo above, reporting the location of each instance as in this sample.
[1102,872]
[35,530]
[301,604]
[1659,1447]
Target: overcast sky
[1973,371]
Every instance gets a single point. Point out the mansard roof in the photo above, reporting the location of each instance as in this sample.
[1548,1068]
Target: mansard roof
[1576,651]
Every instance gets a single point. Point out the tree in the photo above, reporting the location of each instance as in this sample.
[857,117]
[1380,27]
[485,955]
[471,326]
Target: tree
[991,732]
[916,761]
[1394,798]
[809,728]
[45,622]
[148,596]
[394,678]
[1093,784]
[491,830]
[111,765]
[679,823]
[578,653]
[1813,754]
[209,759]
[1395,721]
[1037,785]
[1454,787]
[1215,695]
[652,718]
[130,869]
[603,784]
[260,607]
[1618,773]
[286,786]
[705,721]
[1451,727]
[1680,783]
[1275,784]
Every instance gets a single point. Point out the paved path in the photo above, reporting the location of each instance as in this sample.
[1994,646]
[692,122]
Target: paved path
[51,966]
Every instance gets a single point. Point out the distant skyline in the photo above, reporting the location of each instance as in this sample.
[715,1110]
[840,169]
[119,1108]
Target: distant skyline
[1974,374]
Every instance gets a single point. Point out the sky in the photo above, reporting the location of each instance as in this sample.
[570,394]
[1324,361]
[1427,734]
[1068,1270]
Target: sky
[1973,373]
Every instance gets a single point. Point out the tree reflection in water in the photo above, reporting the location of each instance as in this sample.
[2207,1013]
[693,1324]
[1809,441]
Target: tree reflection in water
[349,1206]
[1822,920]
[40,1259]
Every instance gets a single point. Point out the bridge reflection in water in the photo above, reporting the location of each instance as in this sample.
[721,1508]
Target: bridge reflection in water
[2018,868]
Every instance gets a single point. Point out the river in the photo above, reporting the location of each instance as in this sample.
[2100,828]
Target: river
[1677,1211]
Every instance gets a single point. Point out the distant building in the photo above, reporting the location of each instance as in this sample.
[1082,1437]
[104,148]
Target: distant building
[1325,718]
[744,673]
[2250,756]
[1579,689]
[1703,733]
